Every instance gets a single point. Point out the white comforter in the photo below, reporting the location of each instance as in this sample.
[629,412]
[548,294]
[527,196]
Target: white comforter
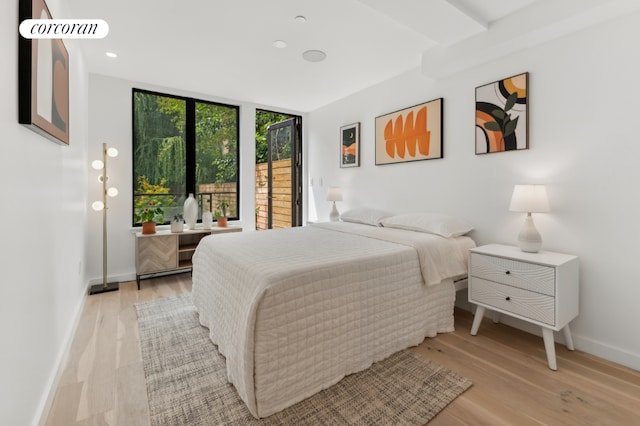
[295,310]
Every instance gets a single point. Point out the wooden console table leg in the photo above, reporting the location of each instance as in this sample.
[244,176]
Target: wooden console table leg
[550,347]
[567,337]
[477,320]
[138,281]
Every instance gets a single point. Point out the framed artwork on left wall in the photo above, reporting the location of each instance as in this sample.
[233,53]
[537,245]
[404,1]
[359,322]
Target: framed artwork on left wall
[350,145]
[43,79]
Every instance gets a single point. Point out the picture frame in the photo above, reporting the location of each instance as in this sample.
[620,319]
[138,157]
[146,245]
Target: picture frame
[43,79]
[502,115]
[410,134]
[350,145]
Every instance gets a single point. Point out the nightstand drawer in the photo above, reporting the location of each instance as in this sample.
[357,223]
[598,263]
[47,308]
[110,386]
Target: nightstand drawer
[524,275]
[528,304]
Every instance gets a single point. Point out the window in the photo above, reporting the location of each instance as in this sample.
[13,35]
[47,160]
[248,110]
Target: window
[181,146]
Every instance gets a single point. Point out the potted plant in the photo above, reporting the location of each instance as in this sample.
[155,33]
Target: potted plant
[177,223]
[221,216]
[148,217]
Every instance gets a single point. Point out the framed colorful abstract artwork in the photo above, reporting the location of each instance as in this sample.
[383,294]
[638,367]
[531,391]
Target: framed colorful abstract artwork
[350,145]
[43,79]
[411,134]
[502,115]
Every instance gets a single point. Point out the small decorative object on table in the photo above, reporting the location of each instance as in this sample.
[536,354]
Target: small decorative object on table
[177,224]
[148,217]
[207,220]
[191,211]
[221,216]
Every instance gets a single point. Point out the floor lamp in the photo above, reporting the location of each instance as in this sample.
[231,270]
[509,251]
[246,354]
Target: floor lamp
[102,205]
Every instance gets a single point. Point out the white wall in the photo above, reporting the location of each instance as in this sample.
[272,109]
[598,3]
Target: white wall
[110,122]
[584,92]
[43,241]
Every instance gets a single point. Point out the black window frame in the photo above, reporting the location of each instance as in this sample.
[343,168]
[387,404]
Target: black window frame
[190,145]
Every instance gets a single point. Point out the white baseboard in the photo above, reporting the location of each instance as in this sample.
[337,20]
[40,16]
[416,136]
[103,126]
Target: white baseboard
[44,407]
[608,352]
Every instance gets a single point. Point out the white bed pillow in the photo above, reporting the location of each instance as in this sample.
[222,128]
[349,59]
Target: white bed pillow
[433,223]
[365,215]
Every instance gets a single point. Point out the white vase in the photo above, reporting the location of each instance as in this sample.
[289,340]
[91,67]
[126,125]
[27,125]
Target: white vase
[177,226]
[207,220]
[190,212]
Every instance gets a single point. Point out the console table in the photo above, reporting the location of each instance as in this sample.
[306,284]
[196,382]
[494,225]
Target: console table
[167,251]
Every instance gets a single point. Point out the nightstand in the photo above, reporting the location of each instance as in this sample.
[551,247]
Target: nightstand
[540,288]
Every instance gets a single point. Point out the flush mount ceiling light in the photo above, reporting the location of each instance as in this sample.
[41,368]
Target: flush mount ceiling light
[314,55]
[280,44]
[300,18]
[111,54]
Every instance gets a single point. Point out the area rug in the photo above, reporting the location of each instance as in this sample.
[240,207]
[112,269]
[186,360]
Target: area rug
[186,381]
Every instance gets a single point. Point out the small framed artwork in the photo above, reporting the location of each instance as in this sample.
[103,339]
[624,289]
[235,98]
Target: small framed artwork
[502,115]
[43,79]
[411,134]
[350,145]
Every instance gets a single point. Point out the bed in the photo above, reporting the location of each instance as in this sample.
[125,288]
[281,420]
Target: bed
[295,310]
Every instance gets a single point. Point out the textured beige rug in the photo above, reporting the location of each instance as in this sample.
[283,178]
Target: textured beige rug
[186,381]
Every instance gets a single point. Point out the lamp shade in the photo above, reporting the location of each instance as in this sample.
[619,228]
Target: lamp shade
[529,198]
[334,193]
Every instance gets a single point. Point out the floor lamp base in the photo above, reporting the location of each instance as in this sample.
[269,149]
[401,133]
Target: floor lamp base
[101,288]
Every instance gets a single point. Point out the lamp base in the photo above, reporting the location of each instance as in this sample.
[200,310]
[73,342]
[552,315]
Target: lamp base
[529,239]
[334,215]
[101,288]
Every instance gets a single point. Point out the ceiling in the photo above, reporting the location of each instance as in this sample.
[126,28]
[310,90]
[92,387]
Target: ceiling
[224,48]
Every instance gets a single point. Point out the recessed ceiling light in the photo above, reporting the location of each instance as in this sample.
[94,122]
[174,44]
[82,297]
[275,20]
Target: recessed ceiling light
[111,54]
[280,44]
[300,18]
[314,55]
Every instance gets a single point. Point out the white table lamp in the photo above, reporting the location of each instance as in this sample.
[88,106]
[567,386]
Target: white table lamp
[334,193]
[529,199]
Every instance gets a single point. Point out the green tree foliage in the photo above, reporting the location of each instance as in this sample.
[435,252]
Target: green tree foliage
[154,194]
[160,148]
[158,141]
[264,119]
[217,143]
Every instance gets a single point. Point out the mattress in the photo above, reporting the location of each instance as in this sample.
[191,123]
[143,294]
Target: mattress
[295,310]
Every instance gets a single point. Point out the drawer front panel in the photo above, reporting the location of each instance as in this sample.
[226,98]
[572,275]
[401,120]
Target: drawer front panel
[535,306]
[156,254]
[527,276]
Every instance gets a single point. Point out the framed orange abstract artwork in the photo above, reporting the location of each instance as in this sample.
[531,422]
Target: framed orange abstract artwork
[410,134]
[350,145]
[502,115]
[43,79]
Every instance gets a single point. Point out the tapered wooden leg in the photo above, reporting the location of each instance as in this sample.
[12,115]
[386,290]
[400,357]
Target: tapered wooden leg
[477,320]
[550,347]
[567,337]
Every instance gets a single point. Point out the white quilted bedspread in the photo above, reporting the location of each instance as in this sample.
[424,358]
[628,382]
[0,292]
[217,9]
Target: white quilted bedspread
[296,310]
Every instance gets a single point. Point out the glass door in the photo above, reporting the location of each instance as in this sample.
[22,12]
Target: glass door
[284,171]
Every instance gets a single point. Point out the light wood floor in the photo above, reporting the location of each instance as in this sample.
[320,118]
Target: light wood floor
[103,381]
